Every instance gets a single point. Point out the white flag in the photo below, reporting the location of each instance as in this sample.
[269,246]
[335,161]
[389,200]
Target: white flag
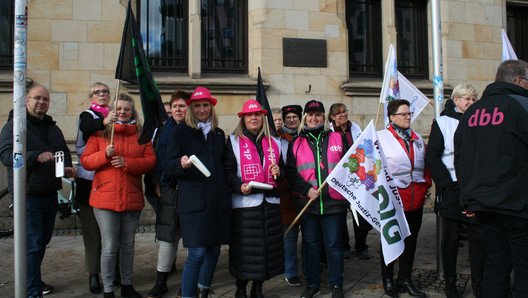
[415,97]
[507,50]
[364,179]
[390,89]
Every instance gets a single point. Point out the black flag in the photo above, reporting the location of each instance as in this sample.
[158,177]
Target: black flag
[132,66]
[262,99]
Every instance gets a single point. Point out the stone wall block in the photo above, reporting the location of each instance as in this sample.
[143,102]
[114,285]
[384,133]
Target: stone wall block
[90,58]
[39,30]
[483,33]
[296,19]
[275,18]
[112,10]
[68,31]
[281,84]
[318,84]
[455,69]
[459,31]
[454,48]
[481,69]
[42,55]
[77,102]
[51,9]
[111,54]
[104,32]
[69,80]
[475,13]
[57,104]
[281,4]
[87,10]
[472,49]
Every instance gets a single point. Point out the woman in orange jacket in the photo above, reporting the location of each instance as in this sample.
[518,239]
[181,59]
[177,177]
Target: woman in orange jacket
[117,195]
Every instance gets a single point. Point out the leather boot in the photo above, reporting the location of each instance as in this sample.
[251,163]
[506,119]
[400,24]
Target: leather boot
[204,293]
[241,289]
[389,287]
[450,288]
[256,289]
[160,287]
[95,284]
[406,285]
[128,291]
[476,285]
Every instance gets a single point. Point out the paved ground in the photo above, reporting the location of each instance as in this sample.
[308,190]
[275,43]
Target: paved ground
[63,268]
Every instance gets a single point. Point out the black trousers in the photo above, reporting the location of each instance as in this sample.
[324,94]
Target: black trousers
[406,259]
[450,238]
[506,242]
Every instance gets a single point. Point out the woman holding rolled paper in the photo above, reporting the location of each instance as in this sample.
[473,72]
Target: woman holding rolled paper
[255,249]
[311,157]
[405,152]
[204,201]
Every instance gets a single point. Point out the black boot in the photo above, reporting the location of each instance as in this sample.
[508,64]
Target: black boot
[476,285]
[128,291]
[108,295]
[204,293]
[160,287]
[406,285]
[450,288]
[241,289]
[256,289]
[389,287]
[95,284]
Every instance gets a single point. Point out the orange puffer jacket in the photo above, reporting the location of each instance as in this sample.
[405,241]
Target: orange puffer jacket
[118,189]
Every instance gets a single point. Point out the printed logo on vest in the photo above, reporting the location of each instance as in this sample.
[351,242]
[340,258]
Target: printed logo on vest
[197,93]
[336,148]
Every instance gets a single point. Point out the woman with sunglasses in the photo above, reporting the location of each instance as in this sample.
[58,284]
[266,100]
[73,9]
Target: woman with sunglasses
[405,151]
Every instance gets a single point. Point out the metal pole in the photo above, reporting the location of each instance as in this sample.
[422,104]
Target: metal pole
[19,147]
[439,106]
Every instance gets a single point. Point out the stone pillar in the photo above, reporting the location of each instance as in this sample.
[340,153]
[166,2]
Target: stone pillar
[195,40]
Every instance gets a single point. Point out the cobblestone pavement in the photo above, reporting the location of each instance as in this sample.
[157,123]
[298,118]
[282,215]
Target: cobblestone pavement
[63,268]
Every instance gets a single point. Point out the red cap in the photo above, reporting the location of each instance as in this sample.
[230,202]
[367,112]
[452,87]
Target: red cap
[201,93]
[251,106]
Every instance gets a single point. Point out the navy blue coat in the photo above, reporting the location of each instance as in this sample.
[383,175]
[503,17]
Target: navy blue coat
[204,204]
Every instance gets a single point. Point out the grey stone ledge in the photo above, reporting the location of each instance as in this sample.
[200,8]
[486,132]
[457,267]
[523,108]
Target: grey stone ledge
[358,86]
[216,83]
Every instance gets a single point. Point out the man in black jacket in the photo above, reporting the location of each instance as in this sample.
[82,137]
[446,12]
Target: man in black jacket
[43,139]
[491,162]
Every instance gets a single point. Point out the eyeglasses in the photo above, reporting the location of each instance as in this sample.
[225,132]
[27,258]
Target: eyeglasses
[405,115]
[341,113]
[523,78]
[101,92]
[292,117]
[37,98]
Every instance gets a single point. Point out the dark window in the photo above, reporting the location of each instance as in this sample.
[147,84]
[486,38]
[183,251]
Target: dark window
[224,35]
[411,27]
[164,30]
[517,17]
[7,11]
[363,18]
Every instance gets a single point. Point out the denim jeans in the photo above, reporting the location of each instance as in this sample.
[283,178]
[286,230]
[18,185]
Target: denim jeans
[40,220]
[327,230]
[291,268]
[199,267]
[118,231]
[506,242]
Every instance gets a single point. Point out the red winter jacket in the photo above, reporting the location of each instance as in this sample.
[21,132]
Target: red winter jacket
[118,189]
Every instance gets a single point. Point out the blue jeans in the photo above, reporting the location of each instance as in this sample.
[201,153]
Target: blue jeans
[118,231]
[327,230]
[291,268]
[200,264]
[40,220]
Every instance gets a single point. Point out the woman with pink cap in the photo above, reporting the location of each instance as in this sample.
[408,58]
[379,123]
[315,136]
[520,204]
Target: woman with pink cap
[255,248]
[204,203]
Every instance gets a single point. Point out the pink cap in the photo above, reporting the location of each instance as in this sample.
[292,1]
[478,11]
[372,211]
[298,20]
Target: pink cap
[201,93]
[251,106]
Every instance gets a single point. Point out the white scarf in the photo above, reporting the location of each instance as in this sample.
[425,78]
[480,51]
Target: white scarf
[205,127]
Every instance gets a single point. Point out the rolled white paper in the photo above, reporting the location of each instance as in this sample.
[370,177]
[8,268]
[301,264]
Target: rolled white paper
[59,164]
[198,164]
[260,185]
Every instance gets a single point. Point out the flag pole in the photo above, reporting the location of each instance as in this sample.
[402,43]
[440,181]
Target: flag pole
[115,109]
[19,146]
[354,212]
[269,140]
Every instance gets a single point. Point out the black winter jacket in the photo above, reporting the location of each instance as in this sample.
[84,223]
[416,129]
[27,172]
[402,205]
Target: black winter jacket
[326,205]
[447,190]
[491,151]
[40,177]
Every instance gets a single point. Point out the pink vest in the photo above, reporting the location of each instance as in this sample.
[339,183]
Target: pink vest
[306,163]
